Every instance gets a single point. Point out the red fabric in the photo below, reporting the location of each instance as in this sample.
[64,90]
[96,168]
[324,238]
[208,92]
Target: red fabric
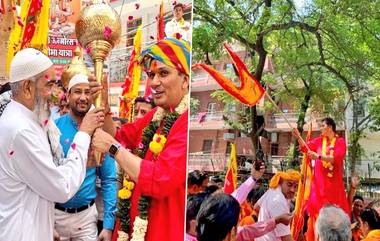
[31,19]
[160,23]
[324,189]
[117,228]
[229,182]
[309,236]
[250,90]
[162,179]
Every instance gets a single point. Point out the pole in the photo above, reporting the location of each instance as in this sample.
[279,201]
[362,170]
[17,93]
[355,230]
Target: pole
[286,119]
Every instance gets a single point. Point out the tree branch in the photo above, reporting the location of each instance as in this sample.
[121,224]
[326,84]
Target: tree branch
[291,24]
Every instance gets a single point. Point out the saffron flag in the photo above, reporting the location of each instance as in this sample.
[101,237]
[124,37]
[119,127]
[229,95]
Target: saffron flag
[303,193]
[31,28]
[160,23]
[132,80]
[250,90]
[230,181]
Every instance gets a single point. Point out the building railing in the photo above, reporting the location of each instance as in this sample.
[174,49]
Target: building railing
[207,162]
[207,116]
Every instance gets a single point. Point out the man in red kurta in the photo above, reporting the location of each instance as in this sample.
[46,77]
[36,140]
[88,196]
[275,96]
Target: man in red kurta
[162,176]
[327,186]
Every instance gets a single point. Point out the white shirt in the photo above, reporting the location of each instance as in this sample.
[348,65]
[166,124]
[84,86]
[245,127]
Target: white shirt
[272,204]
[30,182]
[173,26]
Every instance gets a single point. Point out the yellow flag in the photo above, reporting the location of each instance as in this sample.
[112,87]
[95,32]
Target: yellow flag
[31,28]
[230,181]
[136,75]
[132,80]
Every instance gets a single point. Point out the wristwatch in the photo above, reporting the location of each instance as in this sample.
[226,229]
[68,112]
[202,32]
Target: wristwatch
[114,149]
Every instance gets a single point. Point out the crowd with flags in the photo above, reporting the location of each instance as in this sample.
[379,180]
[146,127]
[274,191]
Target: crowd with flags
[314,201]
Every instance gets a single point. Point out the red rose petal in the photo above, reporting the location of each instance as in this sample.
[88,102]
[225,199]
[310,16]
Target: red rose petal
[151,37]
[88,50]
[174,3]
[20,23]
[73,146]
[107,32]
[178,36]
[11,153]
[45,122]
[130,18]
[137,5]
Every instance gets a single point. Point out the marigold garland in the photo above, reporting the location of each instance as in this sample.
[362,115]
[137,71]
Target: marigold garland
[157,141]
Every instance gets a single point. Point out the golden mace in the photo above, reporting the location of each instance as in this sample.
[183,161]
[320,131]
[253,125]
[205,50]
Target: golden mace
[98,30]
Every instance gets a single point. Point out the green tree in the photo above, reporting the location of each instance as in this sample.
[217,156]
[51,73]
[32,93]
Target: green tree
[324,54]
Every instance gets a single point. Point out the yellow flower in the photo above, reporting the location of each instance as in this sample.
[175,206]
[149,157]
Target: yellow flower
[157,144]
[125,194]
[128,185]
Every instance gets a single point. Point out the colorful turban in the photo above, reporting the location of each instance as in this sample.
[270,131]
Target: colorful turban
[170,51]
[289,175]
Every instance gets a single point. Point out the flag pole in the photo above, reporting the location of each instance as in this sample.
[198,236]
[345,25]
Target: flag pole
[286,119]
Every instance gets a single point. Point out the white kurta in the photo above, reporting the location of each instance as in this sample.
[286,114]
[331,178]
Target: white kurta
[173,26]
[30,182]
[272,204]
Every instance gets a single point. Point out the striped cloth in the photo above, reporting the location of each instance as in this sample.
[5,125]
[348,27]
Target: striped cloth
[5,98]
[170,51]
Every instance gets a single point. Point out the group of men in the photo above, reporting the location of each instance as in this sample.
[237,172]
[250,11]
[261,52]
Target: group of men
[47,167]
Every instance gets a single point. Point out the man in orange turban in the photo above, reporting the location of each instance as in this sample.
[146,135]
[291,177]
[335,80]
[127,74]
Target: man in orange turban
[276,201]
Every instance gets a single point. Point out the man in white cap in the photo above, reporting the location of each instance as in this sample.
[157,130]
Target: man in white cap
[33,172]
[77,218]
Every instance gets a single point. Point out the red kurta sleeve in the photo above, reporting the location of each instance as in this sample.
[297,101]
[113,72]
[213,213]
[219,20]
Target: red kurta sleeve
[312,144]
[340,150]
[161,177]
[129,135]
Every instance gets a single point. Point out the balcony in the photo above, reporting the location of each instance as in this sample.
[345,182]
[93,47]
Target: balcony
[207,162]
[276,122]
[208,121]
[217,162]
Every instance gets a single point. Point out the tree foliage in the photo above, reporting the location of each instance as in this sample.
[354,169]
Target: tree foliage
[325,55]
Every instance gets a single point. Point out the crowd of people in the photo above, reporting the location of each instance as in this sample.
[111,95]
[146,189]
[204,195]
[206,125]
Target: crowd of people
[252,212]
[48,167]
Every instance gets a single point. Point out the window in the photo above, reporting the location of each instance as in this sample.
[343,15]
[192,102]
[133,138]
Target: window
[131,30]
[230,107]
[274,137]
[274,149]
[211,107]
[207,144]
[358,109]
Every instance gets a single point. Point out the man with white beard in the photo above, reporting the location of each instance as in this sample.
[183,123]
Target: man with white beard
[33,172]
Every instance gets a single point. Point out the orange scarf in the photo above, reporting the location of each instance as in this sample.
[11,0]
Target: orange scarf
[374,235]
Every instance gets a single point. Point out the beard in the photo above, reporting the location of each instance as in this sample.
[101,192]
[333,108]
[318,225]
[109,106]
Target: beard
[42,111]
[77,111]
